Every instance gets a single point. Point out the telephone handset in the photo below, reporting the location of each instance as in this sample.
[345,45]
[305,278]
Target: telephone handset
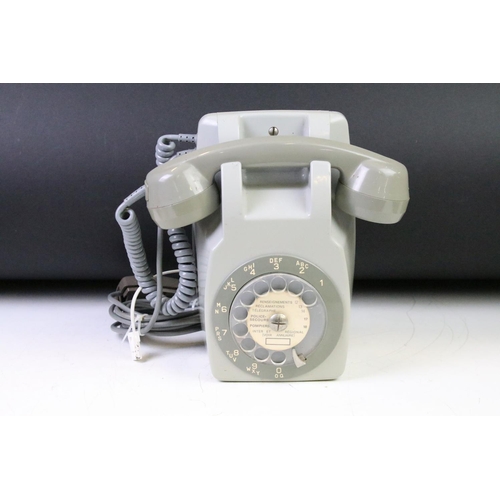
[274,248]
[371,187]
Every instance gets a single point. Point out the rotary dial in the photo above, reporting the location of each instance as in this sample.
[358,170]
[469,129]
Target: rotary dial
[276,317]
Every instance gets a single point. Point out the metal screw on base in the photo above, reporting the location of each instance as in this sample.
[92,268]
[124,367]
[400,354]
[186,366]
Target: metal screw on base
[273,131]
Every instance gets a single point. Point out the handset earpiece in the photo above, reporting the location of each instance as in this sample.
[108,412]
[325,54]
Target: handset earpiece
[180,193]
[375,190]
[371,186]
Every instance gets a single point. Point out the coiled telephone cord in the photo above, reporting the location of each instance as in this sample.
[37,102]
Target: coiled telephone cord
[165,146]
[172,314]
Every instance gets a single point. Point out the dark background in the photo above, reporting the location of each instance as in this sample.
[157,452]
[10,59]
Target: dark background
[69,154]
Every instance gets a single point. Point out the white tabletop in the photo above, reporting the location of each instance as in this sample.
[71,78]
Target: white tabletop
[414,350]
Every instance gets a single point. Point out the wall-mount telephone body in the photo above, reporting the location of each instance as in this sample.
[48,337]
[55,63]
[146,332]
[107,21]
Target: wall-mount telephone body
[273,197]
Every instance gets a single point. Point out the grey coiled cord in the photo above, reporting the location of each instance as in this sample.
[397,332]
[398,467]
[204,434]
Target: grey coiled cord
[183,304]
[132,238]
[165,146]
[188,281]
[155,322]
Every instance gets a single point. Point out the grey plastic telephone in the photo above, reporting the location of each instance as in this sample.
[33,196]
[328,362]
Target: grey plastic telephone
[274,247]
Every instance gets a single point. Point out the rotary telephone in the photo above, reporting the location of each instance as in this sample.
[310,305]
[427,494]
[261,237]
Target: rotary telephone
[272,198]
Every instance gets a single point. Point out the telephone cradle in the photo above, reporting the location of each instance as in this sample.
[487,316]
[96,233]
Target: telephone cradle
[271,199]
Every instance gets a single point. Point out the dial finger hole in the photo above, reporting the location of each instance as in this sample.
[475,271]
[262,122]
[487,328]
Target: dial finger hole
[240,313]
[261,288]
[309,298]
[248,344]
[278,284]
[240,330]
[247,298]
[295,287]
[261,354]
[278,358]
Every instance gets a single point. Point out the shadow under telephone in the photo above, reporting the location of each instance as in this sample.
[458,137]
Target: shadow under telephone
[269,271]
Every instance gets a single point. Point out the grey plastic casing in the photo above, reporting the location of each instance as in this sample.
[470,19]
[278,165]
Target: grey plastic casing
[294,207]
